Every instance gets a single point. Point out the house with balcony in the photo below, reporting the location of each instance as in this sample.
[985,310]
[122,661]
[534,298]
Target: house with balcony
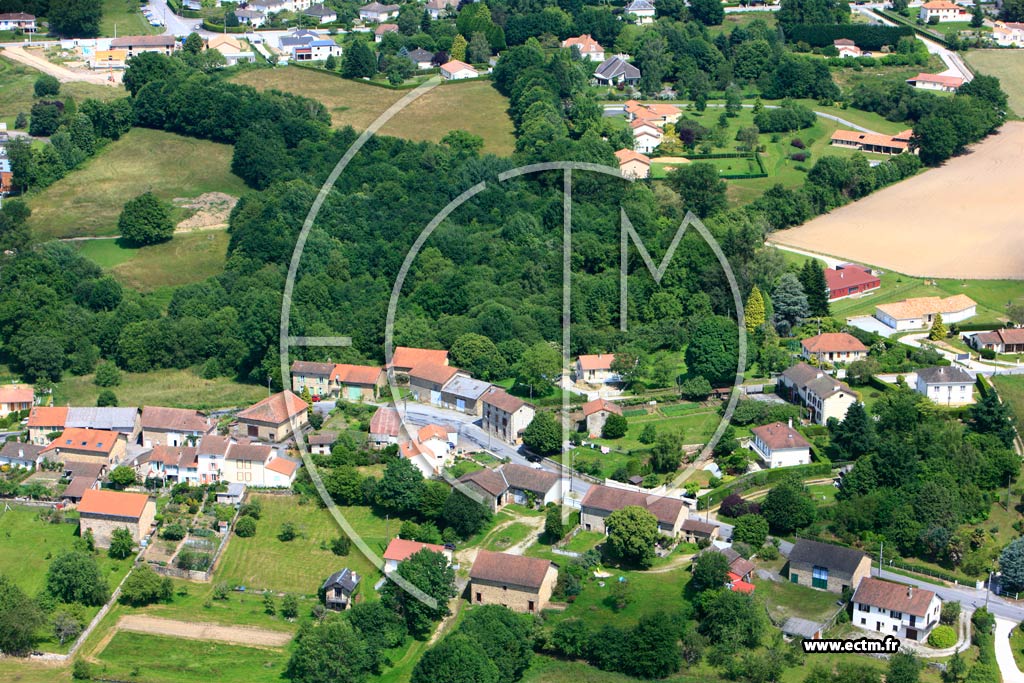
[895,609]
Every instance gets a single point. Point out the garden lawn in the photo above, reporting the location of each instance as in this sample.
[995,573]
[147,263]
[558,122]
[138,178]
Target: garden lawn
[240,609]
[741,19]
[172,388]
[649,593]
[127,17]
[300,565]
[514,533]
[481,110]
[784,600]
[17,95]
[177,660]
[1011,390]
[1008,67]
[584,541]
[88,201]
[188,257]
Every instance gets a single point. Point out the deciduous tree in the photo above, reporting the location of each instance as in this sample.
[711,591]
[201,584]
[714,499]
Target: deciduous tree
[632,533]
[543,435]
[75,577]
[430,573]
[145,220]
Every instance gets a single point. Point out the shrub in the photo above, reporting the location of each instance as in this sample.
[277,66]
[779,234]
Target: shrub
[798,143]
[988,354]
[245,527]
[46,86]
[173,532]
[251,509]
[287,533]
[798,156]
[341,546]
[942,637]
[81,670]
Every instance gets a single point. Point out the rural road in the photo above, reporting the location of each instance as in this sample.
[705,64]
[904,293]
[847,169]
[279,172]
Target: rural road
[236,635]
[62,74]
[1004,653]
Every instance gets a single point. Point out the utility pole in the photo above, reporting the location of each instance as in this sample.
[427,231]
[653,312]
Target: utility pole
[988,588]
[880,546]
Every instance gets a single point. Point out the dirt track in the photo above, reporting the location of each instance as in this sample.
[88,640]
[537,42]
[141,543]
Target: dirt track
[957,221]
[236,635]
[35,60]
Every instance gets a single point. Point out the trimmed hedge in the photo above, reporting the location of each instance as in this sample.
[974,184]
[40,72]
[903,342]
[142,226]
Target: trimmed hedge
[219,28]
[758,479]
[866,36]
[942,637]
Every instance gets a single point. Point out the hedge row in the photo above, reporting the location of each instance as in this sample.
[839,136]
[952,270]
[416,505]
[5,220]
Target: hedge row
[758,479]
[902,20]
[866,36]
[930,571]
[219,28]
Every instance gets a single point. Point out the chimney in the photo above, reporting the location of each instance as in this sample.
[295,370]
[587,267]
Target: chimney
[790,423]
[910,592]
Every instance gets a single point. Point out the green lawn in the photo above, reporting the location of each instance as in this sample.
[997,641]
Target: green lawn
[240,609]
[648,593]
[514,533]
[173,388]
[584,541]
[741,19]
[127,17]
[300,566]
[88,201]
[16,94]
[189,257]
[157,659]
[784,599]
[1008,67]
[481,110]
[1011,390]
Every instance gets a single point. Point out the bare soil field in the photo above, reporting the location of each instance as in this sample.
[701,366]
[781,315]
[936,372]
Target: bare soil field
[956,221]
[236,635]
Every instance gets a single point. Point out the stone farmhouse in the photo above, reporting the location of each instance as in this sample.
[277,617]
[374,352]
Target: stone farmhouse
[104,511]
[523,584]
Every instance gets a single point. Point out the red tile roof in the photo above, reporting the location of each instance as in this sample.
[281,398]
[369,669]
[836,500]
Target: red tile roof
[400,549]
[276,409]
[81,439]
[585,43]
[596,361]
[432,432]
[947,81]
[43,416]
[386,421]
[599,404]
[833,342]
[356,374]
[780,435]
[408,357]
[517,570]
[893,596]
[627,155]
[113,503]
[385,28]
[848,276]
[283,466]
[876,139]
[17,394]
[437,374]
[456,65]
[177,419]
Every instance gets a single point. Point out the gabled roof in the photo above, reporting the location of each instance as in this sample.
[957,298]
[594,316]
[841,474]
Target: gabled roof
[356,374]
[92,440]
[517,570]
[489,481]
[346,579]
[400,549]
[835,558]
[21,451]
[779,435]
[613,67]
[596,361]
[432,431]
[143,41]
[419,55]
[113,503]
[410,449]
[944,375]
[409,357]
[248,451]
[174,419]
[462,386]
[322,439]
[948,81]
[456,65]
[801,373]
[698,526]
[281,465]
[926,305]
[640,6]
[627,155]
[377,7]
[43,416]
[1013,335]
[386,421]
[827,386]
[385,28]
[502,400]
[214,444]
[117,419]
[17,16]
[599,404]
[17,393]
[942,4]
[585,43]
[529,479]
[437,374]
[833,342]
[176,456]
[319,10]
[877,139]
[302,367]
[77,487]
[608,499]
[276,409]
[897,597]
[850,275]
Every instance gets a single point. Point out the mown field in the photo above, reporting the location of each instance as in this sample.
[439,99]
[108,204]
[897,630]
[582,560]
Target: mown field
[88,201]
[474,106]
[173,388]
[189,257]
[1011,390]
[16,94]
[1008,67]
[127,17]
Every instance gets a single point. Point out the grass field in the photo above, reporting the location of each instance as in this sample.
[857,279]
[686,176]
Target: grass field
[175,660]
[784,600]
[127,16]
[1008,67]
[737,19]
[189,257]
[172,388]
[300,566]
[1011,390]
[514,533]
[16,94]
[648,593]
[475,106]
[240,609]
[88,201]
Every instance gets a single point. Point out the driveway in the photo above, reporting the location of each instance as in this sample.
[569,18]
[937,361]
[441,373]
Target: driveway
[37,61]
[1004,653]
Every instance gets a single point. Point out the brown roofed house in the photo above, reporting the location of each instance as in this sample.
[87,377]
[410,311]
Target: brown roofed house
[895,609]
[406,358]
[385,428]
[427,381]
[505,415]
[15,398]
[43,421]
[594,368]
[695,531]
[104,511]
[173,426]
[600,501]
[358,382]
[135,45]
[595,414]
[780,445]
[275,418]
[311,376]
[399,550]
[522,584]
[833,347]
[86,445]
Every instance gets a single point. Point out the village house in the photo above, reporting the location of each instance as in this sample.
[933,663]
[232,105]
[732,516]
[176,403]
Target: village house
[81,477]
[595,414]
[1008,34]
[17,21]
[136,45]
[258,465]
[86,445]
[322,14]
[919,313]
[522,584]
[740,569]
[595,369]
[427,381]
[382,30]
[616,70]
[822,395]
[876,143]
[633,165]
[850,280]
[439,8]
[646,136]
[600,501]
[251,17]
[104,511]
[210,453]
[320,444]
[505,415]
[463,393]
[124,420]
[586,46]
[456,70]
[274,419]
[656,113]
[945,385]
[15,454]
[173,426]
[376,12]
[847,48]
[895,609]
[233,49]
[432,450]
[317,50]
[44,421]
[399,550]
[172,464]
[938,82]
[406,358]
[695,531]
[514,483]
[385,428]
[943,10]
[1003,340]
[420,58]
[642,10]
[779,445]
[339,588]
[833,347]
[233,495]
[828,567]
[357,382]
[15,398]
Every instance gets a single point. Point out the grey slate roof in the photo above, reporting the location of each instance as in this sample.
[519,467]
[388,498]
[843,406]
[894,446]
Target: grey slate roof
[420,55]
[346,579]
[640,6]
[460,385]
[112,419]
[805,628]
[613,67]
[835,557]
[944,375]
[21,451]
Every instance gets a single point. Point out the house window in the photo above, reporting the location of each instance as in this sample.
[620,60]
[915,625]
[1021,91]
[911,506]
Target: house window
[819,577]
[895,628]
[863,621]
[895,615]
[529,606]
[793,578]
[479,598]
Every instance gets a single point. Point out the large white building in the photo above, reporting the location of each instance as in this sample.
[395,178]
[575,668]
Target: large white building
[823,395]
[919,313]
[895,609]
[943,10]
[779,445]
[945,385]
